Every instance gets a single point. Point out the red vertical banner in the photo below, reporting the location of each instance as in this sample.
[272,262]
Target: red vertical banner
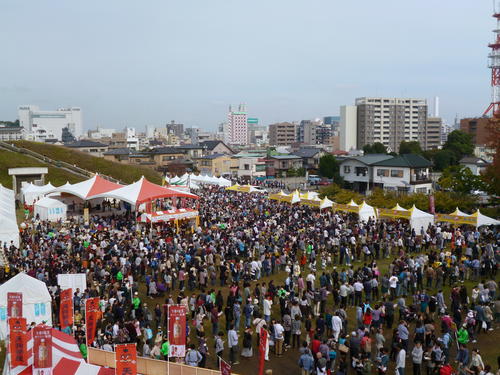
[14,305]
[42,350]
[66,308]
[126,359]
[18,346]
[177,330]
[91,316]
[432,204]
[225,368]
[262,350]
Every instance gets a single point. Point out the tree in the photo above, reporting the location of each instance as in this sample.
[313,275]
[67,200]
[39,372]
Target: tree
[491,177]
[376,148]
[460,179]
[411,147]
[329,167]
[443,159]
[460,144]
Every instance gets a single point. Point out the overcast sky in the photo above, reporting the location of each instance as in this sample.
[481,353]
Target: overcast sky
[137,63]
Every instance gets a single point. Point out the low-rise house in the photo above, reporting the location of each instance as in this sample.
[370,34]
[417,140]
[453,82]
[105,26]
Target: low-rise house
[310,157]
[406,173]
[217,164]
[278,165]
[476,165]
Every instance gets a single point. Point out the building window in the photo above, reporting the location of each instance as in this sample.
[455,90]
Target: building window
[397,173]
[421,190]
[383,172]
[361,171]
[347,169]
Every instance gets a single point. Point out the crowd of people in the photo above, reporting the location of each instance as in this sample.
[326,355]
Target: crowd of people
[311,279]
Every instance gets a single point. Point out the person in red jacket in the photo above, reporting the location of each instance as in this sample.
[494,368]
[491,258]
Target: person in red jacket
[446,369]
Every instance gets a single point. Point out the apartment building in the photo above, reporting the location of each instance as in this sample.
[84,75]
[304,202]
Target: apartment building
[390,121]
[282,134]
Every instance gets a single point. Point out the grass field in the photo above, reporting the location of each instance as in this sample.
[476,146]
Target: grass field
[122,172]
[10,159]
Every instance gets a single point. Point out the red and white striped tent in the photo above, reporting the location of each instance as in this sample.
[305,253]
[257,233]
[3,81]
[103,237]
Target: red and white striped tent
[66,358]
[89,188]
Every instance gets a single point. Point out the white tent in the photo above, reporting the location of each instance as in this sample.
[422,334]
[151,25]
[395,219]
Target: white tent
[420,219]
[325,203]
[484,220]
[9,230]
[366,212]
[37,303]
[32,192]
[50,209]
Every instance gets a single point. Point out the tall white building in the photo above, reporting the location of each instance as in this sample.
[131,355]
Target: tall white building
[236,127]
[348,128]
[36,121]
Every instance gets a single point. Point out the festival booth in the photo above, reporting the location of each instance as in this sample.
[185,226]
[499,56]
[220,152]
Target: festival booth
[37,302]
[144,193]
[326,203]
[458,217]
[245,189]
[364,210]
[310,199]
[200,179]
[9,230]
[418,219]
[66,358]
[50,209]
[31,192]
[291,198]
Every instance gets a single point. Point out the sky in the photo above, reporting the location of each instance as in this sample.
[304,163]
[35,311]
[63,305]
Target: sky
[137,63]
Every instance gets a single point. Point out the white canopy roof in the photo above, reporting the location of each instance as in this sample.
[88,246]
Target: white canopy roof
[366,212]
[325,203]
[420,219]
[32,192]
[9,230]
[50,203]
[90,188]
[484,220]
[34,292]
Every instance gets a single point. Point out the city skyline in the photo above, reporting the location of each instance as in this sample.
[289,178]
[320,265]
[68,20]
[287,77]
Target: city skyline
[130,65]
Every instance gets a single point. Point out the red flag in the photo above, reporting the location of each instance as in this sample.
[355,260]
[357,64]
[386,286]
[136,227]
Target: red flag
[66,308]
[126,359]
[42,349]
[18,346]
[91,315]
[225,368]
[177,330]
[14,305]
[262,350]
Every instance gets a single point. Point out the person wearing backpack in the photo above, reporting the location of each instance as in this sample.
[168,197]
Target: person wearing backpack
[193,356]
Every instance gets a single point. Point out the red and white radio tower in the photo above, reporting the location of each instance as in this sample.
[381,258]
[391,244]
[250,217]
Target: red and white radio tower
[494,64]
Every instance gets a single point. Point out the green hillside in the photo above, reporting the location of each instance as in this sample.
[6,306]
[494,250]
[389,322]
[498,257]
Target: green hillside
[15,160]
[122,172]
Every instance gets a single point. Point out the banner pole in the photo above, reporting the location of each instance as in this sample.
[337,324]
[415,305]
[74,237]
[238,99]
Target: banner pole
[168,339]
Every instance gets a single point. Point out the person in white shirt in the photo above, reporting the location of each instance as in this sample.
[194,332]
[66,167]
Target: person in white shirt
[336,326]
[268,303]
[401,361]
[358,291]
[393,284]
[278,338]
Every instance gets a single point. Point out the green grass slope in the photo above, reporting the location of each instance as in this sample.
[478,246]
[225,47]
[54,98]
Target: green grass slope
[10,159]
[122,172]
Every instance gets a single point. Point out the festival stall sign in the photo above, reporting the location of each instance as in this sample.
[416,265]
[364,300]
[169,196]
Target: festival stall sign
[126,359]
[456,219]
[42,350]
[314,202]
[14,304]
[18,346]
[91,316]
[169,215]
[66,308]
[278,196]
[349,207]
[396,212]
[177,330]
[235,187]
